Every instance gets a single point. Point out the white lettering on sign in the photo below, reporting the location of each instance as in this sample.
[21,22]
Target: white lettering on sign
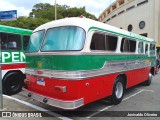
[22,56]
[12,57]
[5,55]
[15,56]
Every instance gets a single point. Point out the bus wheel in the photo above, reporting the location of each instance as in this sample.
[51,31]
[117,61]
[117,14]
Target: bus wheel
[12,83]
[148,82]
[118,91]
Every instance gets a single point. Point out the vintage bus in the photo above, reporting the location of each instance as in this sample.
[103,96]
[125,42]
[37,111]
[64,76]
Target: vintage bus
[75,61]
[14,42]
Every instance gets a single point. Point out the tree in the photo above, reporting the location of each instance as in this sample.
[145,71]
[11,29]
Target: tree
[44,12]
[47,11]
[25,22]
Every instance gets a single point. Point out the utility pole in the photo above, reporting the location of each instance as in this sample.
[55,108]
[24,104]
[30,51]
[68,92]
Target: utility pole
[55,10]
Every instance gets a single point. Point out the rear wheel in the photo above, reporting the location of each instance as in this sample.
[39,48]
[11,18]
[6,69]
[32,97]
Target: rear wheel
[12,83]
[149,81]
[118,91]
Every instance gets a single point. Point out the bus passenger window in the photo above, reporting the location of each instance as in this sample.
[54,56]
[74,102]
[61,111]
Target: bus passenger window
[146,49]
[98,42]
[25,42]
[152,49]
[111,43]
[3,38]
[10,41]
[128,45]
[140,47]
[132,45]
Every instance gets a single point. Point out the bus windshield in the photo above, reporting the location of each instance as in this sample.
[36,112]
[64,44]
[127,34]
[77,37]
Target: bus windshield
[35,41]
[64,39]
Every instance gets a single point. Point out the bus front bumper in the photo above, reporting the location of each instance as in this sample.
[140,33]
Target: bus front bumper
[67,105]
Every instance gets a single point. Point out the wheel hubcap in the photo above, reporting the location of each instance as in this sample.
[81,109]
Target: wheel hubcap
[119,90]
[150,76]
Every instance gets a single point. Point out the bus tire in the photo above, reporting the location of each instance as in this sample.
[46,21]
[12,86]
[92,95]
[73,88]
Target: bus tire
[12,83]
[149,80]
[118,91]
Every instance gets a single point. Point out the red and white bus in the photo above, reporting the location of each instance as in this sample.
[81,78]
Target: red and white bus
[75,61]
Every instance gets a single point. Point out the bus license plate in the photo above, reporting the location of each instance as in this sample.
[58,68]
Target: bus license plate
[41,82]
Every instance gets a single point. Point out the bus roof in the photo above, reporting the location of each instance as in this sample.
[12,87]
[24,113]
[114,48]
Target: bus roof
[9,29]
[89,25]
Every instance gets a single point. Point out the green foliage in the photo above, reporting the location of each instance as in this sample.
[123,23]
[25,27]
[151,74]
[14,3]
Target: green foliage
[25,22]
[44,12]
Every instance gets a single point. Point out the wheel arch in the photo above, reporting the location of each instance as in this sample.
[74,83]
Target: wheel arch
[17,71]
[152,71]
[124,76]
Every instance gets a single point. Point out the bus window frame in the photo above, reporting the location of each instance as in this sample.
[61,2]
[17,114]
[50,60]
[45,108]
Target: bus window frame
[129,46]
[138,47]
[146,53]
[46,30]
[21,42]
[150,49]
[104,51]
[40,43]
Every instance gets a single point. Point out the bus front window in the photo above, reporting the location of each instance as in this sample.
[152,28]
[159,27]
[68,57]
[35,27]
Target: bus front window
[35,41]
[65,38]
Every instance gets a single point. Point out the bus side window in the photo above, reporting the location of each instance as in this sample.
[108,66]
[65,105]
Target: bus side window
[14,42]
[128,45]
[152,49]
[26,42]
[111,43]
[3,38]
[140,47]
[98,42]
[146,48]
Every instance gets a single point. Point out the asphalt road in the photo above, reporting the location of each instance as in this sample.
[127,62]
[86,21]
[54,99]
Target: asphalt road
[138,98]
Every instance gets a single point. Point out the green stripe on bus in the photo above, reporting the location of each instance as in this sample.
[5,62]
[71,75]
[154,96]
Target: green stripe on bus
[74,62]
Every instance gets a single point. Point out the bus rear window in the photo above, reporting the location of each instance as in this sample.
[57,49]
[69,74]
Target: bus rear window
[67,38]
[10,41]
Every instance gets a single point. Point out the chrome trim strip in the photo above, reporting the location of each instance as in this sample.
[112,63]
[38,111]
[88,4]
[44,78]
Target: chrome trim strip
[66,53]
[108,68]
[12,63]
[68,105]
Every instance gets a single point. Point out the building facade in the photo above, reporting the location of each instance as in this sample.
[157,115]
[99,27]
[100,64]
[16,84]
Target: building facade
[138,16]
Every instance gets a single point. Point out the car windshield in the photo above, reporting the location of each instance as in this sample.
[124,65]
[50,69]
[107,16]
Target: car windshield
[35,41]
[64,39]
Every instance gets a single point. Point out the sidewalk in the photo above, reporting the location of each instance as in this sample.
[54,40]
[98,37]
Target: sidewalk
[15,107]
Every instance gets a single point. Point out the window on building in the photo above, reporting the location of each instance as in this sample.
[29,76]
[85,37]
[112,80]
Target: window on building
[144,34]
[10,41]
[101,41]
[130,27]
[143,2]
[128,45]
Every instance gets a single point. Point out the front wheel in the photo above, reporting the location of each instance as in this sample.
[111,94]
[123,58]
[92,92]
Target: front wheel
[12,83]
[118,91]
